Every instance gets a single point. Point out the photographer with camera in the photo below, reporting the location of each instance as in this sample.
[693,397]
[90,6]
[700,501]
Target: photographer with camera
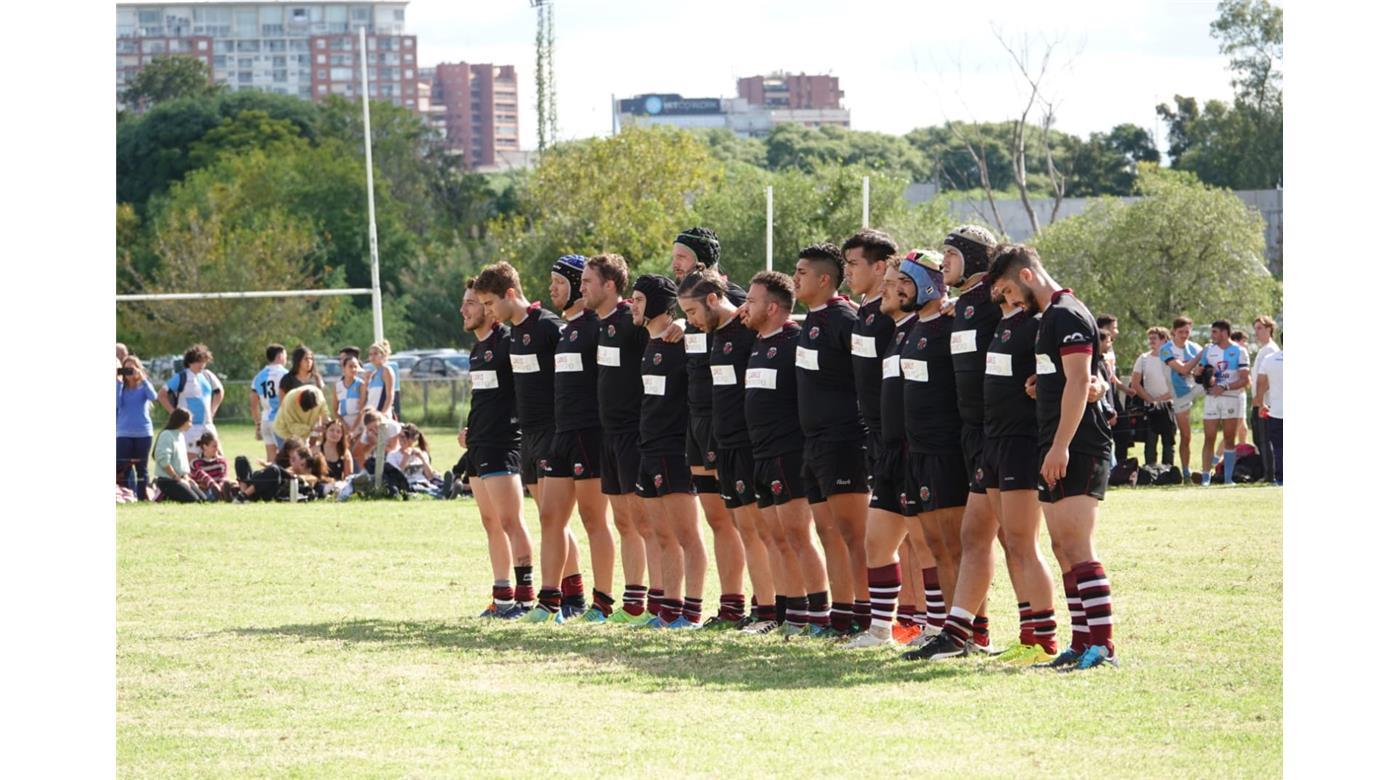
[134,432]
[1183,359]
[1151,384]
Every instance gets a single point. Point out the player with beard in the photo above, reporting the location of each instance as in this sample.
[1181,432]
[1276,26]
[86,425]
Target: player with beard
[697,249]
[620,346]
[576,451]
[770,398]
[663,478]
[706,306]
[834,450]
[492,441]
[534,333]
[1074,444]
[893,530]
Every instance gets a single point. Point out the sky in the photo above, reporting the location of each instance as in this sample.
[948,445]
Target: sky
[901,65]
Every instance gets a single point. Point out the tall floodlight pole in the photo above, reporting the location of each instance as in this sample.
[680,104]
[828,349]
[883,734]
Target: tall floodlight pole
[769,194]
[375,301]
[865,201]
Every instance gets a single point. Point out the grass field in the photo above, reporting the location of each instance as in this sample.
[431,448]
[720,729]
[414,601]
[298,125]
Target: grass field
[336,640]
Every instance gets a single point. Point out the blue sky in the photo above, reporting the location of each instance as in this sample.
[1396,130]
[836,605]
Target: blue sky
[902,64]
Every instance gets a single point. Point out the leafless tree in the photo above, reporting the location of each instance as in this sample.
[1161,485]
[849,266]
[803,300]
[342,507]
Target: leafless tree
[1035,77]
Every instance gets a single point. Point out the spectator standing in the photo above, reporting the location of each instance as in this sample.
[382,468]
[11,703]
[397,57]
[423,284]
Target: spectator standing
[1183,359]
[1224,407]
[301,412]
[134,431]
[1264,328]
[349,391]
[172,461]
[197,390]
[1151,382]
[264,396]
[383,380]
[302,371]
[1270,372]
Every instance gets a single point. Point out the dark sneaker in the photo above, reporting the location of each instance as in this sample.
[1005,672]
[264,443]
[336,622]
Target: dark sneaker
[938,648]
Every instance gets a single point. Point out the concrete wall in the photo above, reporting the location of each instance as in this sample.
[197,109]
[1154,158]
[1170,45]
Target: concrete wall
[1269,203]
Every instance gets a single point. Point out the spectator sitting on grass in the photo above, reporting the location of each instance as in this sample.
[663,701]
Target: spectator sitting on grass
[335,450]
[375,422]
[172,462]
[210,470]
[413,460]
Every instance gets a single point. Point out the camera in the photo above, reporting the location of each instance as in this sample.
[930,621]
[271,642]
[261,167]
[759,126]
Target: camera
[126,371]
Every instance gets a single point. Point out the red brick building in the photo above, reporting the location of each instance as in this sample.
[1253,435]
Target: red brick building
[785,90]
[480,110]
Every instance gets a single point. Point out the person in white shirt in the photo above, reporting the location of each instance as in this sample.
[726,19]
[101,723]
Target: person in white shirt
[1270,371]
[1264,327]
[1151,382]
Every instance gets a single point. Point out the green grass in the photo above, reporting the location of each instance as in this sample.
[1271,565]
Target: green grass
[336,640]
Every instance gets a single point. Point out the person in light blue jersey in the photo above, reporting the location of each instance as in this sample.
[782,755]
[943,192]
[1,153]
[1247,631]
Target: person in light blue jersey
[263,398]
[383,381]
[1183,358]
[134,431]
[197,390]
[349,392]
[1225,400]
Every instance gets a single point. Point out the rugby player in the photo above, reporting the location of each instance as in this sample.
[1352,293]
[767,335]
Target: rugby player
[663,477]
[620,345]
[1183,357]
[770,397]
[576,452]
[492,440]
[534,333]
[1224,406]
[697,249]
[1074,446]
[893,519]
[1264,326]
[703,298]
[834,450]
[263,398]
[198,391]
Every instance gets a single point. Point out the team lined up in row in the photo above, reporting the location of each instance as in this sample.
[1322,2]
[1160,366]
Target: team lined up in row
[906,431]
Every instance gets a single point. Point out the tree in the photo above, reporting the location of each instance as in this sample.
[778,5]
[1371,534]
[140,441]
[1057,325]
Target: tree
[168,78]
[1251,34]
[247,130]
[1184,248]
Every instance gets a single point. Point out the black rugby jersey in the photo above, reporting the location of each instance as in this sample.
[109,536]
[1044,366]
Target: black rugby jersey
[491,421]
[532,345]
[870,338]
[620,347]
[663,411]
[826,389]
[975,317]
[729,359]
[892,384]
[576,374]
[697,356]
[770,394]
[1010,362]
[931,420]
[1068,328]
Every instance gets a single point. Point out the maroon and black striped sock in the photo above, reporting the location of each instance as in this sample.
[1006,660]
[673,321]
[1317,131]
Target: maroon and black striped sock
[841,616]
[602,602]
[1079,627]
[797,610]
[634,599]
[1027,636]
[1096,601]
[1043,631]
[731,606]
[572,587]
[765,612]
[958,626]
[907,614]
[502,593]
[654,598]
[818,609]
[524,584]
[981,630]
[670,610]
[933,595]
[691,609]
[551,599]
[861,615]
[885,583]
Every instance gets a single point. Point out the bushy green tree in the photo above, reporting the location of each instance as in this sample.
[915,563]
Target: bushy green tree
[168,78]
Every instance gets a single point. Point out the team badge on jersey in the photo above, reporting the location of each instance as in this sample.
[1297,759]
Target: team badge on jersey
[612,331]
[578,469]
[542,464]
[979,474]
[488,356]
[869,318]
[923,342]
[814,332]
[525,340]
[710,456]
[657,480]
[739,486]
[656,359]
[968,312]
[772,352]
[728,347]
[573,335]
[904,499]
[923,493]
[777,487]
[1006,335]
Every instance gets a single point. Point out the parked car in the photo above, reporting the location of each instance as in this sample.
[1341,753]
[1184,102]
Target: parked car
[329,367]
[448,366]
